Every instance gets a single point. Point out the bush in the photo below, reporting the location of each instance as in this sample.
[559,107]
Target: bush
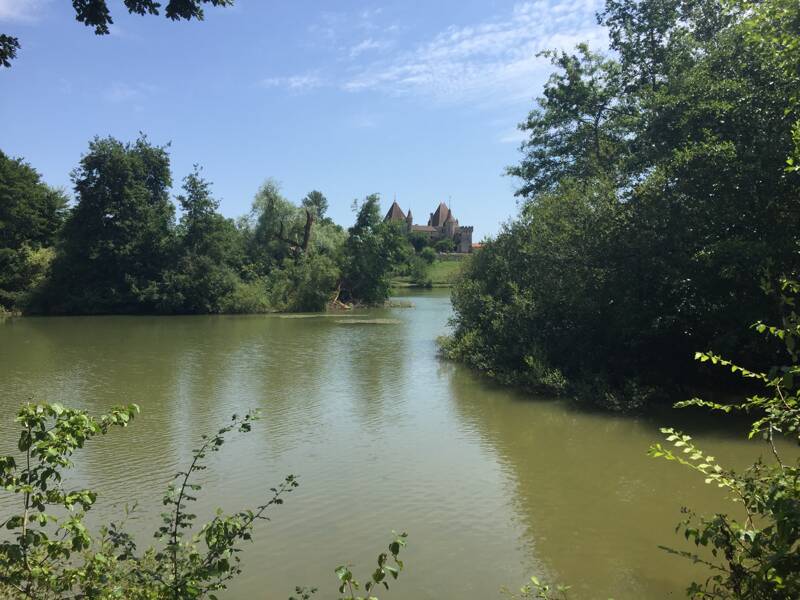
[428,254]
[247,298]
[52,555]
[418,271]
[303,285]
[445,245]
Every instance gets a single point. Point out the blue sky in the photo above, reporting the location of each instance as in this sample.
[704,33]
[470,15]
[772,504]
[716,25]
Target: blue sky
[414,99]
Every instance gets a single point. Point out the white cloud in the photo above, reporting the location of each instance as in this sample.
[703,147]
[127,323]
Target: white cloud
[21,10]
[367,45]
[493,60]
[294,83]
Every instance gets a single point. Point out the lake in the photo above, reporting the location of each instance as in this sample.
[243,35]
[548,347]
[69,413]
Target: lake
[491,485]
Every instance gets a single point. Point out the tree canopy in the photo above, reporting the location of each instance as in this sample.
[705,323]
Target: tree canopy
[655,200]
[97,15]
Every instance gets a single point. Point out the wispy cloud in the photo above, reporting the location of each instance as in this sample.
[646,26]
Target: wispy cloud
[367,45]
[120,92]
[294,83]
[21,10]
[495,59]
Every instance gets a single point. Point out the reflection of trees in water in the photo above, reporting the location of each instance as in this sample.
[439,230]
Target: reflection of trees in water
[592,506]
[370,361]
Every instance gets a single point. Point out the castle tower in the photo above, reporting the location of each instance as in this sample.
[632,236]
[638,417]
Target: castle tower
[464,239]
[409,220]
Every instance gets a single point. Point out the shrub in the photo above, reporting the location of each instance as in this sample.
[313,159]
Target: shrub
[52,555]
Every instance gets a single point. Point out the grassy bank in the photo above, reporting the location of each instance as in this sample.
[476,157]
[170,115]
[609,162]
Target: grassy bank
[443,272]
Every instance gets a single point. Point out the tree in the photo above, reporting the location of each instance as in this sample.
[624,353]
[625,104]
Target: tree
[317,203]
[119,238]
[371,252]
[685,208]
[31,214]
[419,240]
[445,245]
[280,229]
[580,127]
[209,253]
[96,14]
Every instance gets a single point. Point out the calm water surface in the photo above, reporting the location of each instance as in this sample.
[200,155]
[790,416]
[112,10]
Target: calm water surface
[492,486]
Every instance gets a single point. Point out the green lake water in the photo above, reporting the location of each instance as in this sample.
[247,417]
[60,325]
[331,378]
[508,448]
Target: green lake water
[491,485]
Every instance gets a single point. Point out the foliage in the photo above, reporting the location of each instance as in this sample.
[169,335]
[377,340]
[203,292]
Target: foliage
[95,14]
[756,555]
[539,591]
[120,249]
[418,271]
[654,196]
[119,237]
[348,585]
[31,213]
[278,227]
[428,255]
[445,245]
[419,240]
[210,252]
[304,285]
[371,252]
[579,129]
[52,555]
[317,202]
[40,560]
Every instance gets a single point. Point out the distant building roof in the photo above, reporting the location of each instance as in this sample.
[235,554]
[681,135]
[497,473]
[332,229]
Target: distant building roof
[395,213]
[439,217]
[425,228]
[477,246]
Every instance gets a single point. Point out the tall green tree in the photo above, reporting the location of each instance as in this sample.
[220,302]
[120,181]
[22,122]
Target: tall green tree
[277,226]
[372,250]
[316,202]
[697,208]
[31,213]
[209,254]
[119,237]
[581,124]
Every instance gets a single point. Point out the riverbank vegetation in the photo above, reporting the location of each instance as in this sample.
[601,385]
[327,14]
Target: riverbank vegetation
[751,549]
[120,248]
[656,201]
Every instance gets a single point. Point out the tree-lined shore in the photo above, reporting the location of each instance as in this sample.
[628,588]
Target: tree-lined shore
[120,248]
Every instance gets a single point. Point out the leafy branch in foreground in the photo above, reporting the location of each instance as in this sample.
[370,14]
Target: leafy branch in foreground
[538,591]
[52,554]
[349,585]
[758,554]
[38,561]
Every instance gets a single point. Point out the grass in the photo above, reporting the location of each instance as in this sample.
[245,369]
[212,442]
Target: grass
[443,272]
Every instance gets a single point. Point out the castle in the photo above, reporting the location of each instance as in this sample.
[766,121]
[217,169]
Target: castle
[441,225]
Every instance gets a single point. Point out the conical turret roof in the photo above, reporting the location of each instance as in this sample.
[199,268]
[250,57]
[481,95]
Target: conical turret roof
[441,215]
[395,213]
